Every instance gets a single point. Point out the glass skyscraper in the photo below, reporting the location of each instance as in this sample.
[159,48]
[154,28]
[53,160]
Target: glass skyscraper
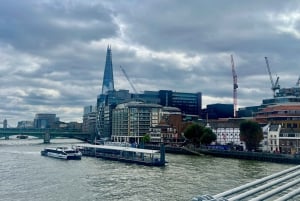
[105,101]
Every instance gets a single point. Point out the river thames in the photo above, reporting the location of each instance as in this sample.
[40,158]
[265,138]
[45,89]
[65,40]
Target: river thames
[26,175]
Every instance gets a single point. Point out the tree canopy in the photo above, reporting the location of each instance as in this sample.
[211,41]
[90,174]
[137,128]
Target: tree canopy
[251,133]
[208,136]
[145,138]
[199,134]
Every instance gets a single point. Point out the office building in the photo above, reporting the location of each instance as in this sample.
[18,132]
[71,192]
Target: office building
[44,120]
[188,103]
[216,111]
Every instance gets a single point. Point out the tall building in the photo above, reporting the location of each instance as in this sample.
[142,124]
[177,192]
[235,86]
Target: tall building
[132,120]
[108,80]
[45,120]
[107,100]
[89,119]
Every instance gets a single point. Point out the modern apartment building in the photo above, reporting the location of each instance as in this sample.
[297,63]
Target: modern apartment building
[132,120]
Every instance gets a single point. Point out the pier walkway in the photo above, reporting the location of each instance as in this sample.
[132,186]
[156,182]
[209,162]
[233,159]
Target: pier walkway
[281,186]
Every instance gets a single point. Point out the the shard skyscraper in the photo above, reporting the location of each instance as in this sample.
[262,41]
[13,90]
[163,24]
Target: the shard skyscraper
[105,101]
[108,78]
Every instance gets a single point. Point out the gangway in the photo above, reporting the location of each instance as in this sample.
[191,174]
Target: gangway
[280,186]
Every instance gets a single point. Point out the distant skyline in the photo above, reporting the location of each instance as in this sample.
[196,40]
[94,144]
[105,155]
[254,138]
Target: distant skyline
[52,53]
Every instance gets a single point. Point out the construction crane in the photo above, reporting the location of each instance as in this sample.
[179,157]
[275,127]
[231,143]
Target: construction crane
[275,86]
[298,82]
[127,77]
[235,86]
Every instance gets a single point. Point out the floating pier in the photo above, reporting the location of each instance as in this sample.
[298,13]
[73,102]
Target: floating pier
[125,154]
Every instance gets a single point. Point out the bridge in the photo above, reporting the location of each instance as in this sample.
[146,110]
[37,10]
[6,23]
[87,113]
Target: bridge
[281,186]
[45,134]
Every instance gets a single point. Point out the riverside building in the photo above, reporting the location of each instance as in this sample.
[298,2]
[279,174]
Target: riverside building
[89,119]
[131,121]
[283,122]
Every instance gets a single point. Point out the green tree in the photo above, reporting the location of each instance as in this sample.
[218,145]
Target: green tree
[146,138]
[208,136]
[198,134]
[251,133]
[194,132]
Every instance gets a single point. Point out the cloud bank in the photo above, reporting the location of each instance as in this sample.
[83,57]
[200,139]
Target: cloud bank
[52,53]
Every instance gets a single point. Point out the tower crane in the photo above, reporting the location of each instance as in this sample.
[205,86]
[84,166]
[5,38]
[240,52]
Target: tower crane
[127,77]
[298,82]
[275,86]
[235,86]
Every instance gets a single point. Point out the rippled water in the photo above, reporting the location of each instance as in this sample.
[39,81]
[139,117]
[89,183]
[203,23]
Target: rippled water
[27,176]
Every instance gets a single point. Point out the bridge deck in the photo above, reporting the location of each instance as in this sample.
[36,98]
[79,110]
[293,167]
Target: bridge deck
[281,186]
[40,133]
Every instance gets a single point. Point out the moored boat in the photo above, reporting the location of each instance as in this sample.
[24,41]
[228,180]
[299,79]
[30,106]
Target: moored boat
[125,154]
[62,153]
[22,136]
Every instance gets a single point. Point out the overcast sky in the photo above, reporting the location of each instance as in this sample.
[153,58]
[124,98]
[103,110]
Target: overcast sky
[52,52]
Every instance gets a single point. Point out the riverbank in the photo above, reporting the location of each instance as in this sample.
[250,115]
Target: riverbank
[173,149]
[258,156]
[244,155]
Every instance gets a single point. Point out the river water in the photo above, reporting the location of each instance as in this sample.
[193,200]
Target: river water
[25,175]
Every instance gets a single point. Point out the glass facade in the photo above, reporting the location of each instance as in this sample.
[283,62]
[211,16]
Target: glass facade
[108,78]
[188,103]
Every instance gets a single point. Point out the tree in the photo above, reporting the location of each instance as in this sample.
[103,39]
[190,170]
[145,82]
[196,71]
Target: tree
[194,132]
[199,134]
[208,136]
[251,133]
[145,138]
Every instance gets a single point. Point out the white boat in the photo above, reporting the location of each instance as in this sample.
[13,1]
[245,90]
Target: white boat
[62,153]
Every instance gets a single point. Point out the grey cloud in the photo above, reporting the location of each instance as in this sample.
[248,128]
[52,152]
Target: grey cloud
[52,53]
[37,26]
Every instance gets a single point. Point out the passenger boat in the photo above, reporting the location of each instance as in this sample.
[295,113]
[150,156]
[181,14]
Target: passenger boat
[125,154]
[62,153]
[22,136]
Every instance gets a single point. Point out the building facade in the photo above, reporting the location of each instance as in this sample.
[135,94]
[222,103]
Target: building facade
[287,115]
[25,124]
[227,131]
[131,121]
[89,119]
[188,103]
[44,120]
[170,128]
[105,100]
[216,111]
